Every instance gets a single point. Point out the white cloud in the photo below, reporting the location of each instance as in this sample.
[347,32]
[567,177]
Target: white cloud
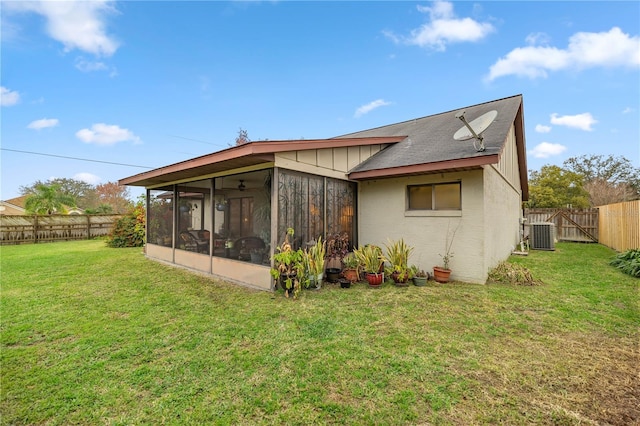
[88,66]
[585,50]
[537,39]
[43,123]
[364,109]
[542,128]
[8,97]
[106,134]
[443,28]
[582,121]
[546,150]
[88,178]
[77,24]
[627,110]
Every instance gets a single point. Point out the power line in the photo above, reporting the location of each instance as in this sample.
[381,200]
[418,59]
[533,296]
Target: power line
[75,158]
[195,140]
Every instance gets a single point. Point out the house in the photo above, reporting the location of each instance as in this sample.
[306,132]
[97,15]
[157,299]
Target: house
[223,213]
[13,207]
[16,207]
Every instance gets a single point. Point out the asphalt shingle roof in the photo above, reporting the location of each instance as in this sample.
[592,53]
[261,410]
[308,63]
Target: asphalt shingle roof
[430,139]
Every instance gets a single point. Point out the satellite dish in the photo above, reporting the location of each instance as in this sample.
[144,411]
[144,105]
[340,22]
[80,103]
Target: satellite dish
[474,129]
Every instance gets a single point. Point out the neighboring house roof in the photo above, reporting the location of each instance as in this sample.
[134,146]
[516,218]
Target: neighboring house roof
[17,201]
[430,146]
[9,207]
[423,145]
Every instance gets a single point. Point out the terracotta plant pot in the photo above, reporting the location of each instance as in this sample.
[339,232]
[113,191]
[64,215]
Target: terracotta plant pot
[441,275]
[351,274]
[374,280]
[399,282]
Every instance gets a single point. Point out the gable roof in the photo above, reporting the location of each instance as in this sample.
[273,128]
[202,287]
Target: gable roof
[430,146]
[422,145]
[9,207]
[17,201]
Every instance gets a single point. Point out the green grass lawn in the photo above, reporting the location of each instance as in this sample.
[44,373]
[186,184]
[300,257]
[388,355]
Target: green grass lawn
[94,335]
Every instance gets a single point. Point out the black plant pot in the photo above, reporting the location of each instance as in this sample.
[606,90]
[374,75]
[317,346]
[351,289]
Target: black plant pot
[345,283]
[333,274]
[283,279]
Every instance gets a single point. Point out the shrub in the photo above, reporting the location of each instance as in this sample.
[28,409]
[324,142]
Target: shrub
[129,230]
[628,262]
[509,273]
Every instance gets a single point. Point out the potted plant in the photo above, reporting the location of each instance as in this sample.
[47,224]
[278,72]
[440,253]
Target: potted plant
[288,267]
[371,261]
[442,272]
[344,282]
[337,248]
[315,258]
[420,277]
[256,255]
[351,269]
[398,253]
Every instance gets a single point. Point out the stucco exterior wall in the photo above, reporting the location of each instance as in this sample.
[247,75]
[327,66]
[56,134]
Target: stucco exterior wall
[383,216]
[503,204]
[243,273]
[156,252]
[503,210]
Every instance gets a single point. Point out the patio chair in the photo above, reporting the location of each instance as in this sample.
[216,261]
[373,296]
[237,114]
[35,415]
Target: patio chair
[191,243]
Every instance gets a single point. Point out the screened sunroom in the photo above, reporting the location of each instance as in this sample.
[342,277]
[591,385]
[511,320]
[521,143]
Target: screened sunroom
[224,213]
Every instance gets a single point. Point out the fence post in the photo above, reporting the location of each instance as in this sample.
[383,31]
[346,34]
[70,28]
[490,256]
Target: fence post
[35,229]
[88,227]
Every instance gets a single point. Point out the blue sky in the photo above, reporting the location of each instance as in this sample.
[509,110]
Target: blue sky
[152,83]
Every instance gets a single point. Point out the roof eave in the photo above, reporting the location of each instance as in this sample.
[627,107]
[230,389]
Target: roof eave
[436,167]
[259,151]
[522,155]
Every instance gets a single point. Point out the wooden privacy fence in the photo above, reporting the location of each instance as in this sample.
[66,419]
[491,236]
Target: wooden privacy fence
[37,229]
[580,225]
[620,225]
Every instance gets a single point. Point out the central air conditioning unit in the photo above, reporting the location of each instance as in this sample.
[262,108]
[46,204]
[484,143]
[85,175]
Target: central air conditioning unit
[542,236]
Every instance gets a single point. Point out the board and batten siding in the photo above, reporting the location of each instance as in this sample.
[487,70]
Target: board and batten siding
[508,166]
[329,162]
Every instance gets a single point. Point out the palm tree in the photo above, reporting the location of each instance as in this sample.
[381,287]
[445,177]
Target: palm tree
[47,199]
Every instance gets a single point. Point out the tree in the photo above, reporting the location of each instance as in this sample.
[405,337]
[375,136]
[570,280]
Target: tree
[129,230]
[555,187]
[114,195]
[611,169]
[602,192]
[101,209]
[81,192]
[242,138]
[607,179]
[47,199]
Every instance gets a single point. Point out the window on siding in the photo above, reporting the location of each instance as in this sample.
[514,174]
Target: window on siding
[440,196]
